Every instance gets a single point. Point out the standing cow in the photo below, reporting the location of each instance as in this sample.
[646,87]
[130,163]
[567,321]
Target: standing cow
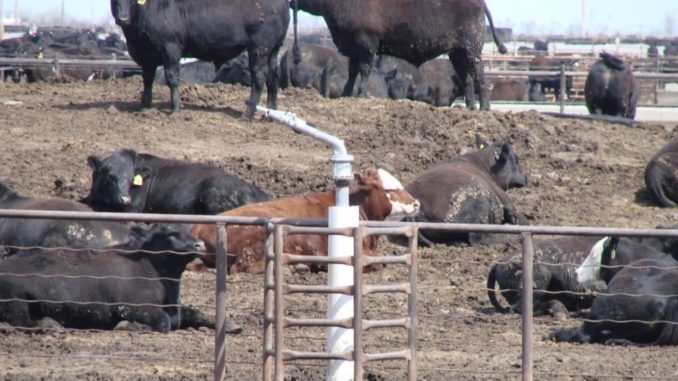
[611,88]
[127,181]
[416,31]
[468,189]
[161,32]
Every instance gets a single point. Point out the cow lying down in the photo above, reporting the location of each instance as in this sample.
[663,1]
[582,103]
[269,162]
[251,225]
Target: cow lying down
[103,289]
[376,192]
[639,307]
[642,284]
[127,181]
[28,232]
[468,189]
[661,175]
[556,289]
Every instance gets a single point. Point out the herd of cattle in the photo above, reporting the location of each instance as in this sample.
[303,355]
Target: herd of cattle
[88,274]
[243,46]
[128,275]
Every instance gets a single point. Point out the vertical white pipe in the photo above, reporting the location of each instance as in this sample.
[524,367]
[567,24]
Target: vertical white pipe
[340,306]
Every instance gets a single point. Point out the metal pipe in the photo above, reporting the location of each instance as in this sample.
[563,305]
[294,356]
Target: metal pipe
[221,305]
[269,317]
[358,358]
[526,305]
[340,216]
[412,305]
[279,306]
[563,83]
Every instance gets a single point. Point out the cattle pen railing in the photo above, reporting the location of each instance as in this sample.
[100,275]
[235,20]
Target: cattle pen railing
[278,225]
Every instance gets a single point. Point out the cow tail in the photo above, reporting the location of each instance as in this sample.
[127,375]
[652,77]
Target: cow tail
[500,45]
[295,48]
[653,175]
[492,293]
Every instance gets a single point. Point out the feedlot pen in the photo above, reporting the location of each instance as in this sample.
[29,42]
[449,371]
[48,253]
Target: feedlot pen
[458,333]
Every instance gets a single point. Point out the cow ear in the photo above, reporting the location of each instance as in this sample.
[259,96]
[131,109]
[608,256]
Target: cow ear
[145,172]
[358,178]
[94,162]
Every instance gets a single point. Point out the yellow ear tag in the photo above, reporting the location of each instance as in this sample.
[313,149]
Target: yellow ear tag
[141,2]
[614,254]
[138,180]
[482,146]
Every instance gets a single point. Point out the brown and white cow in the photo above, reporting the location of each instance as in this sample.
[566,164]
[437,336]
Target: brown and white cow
[379,195]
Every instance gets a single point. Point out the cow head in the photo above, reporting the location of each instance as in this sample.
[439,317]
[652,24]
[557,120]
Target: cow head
[502,162]
[589,270]
[122,10]
[381,196]
[169,237]
[115,181]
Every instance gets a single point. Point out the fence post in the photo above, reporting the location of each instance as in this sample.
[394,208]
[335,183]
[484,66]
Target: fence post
[269,318]
[526,305]
[563,83]
[57,68]
[220,334]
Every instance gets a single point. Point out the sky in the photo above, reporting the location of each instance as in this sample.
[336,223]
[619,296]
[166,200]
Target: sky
[610,17]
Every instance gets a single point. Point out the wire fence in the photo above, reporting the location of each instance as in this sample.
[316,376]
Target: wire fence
[459,335]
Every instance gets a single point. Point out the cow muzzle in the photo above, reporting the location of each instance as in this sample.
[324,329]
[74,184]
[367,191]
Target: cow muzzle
[125,200]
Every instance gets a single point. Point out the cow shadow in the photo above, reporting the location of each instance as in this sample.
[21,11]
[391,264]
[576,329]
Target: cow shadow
[157,108]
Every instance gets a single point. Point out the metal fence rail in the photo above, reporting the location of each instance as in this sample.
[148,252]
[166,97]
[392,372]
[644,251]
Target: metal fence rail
[369,227]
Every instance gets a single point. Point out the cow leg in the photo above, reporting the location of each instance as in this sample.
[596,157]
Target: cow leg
[156,318]
[148,76]
[172,79]
[352,75]
[257,73]
[461,67]
[273,79]
[365,68]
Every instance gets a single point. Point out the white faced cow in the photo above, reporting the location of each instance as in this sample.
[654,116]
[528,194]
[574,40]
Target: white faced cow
[376,192]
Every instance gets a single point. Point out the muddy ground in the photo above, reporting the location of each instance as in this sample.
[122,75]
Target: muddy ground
[581,173]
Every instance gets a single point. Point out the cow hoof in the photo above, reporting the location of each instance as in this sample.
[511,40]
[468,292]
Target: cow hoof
[232,329]
[301,268]
[49,324]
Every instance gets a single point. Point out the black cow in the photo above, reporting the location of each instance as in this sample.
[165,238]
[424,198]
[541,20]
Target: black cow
[661,177]
[193,72]
[468,189]
[436,82]
[544,84]
[128,181]
[160,33]
[416,31]
[556,289]
[100,289]
[639,307]
[611,88]
[509,90]
[611,254]
[26,232]
[325,70]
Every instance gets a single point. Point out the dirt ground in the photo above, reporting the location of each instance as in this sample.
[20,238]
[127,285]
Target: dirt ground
[581,173]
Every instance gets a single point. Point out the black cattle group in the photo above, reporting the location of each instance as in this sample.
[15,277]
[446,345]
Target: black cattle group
[91,273]
[397,60]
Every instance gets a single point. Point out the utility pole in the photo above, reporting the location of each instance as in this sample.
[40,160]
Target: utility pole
[583,18]
[2,19]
